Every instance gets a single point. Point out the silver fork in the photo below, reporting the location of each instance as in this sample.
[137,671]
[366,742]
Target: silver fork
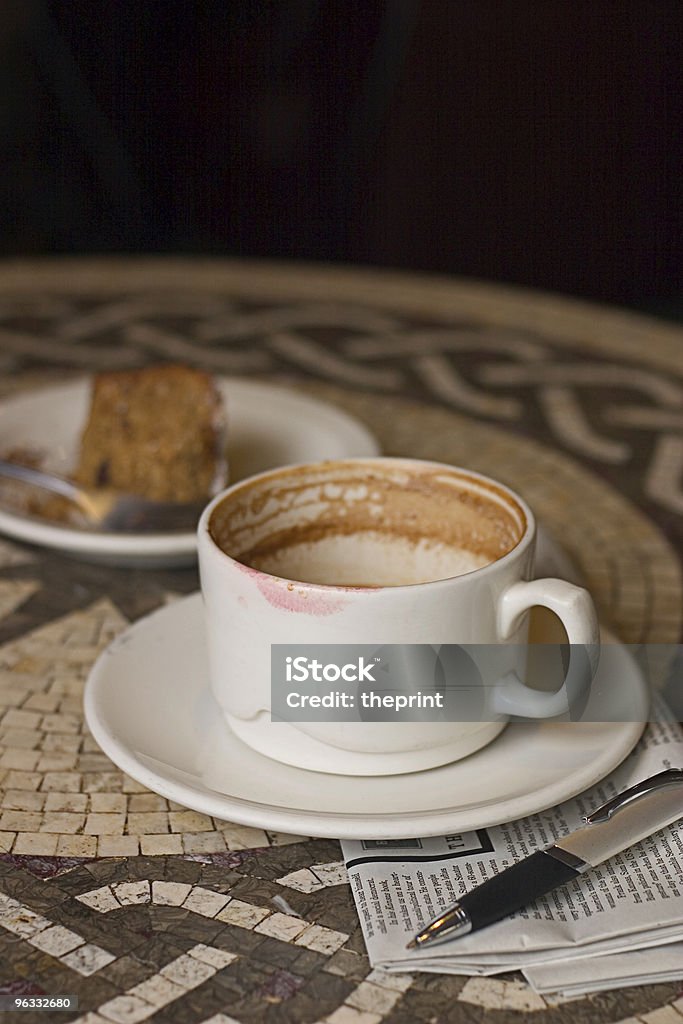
[109,510]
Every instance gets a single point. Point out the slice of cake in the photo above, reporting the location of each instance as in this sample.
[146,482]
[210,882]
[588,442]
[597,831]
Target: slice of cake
[157,432]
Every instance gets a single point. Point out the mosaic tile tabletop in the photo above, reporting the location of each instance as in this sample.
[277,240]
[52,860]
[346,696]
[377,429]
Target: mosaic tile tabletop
[148,911]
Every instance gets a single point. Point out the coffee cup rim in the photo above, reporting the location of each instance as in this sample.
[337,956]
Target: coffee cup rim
[522,545]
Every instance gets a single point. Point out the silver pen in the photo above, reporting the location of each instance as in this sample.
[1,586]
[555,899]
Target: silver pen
[621,822]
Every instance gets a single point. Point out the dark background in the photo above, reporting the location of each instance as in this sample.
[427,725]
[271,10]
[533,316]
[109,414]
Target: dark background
[528,142]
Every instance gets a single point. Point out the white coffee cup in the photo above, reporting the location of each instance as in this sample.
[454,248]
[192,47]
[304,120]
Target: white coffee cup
[374,551]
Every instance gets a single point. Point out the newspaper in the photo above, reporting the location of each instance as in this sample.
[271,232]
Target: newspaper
[577,939]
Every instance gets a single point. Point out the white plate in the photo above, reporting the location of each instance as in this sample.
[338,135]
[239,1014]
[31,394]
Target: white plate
[268,426]
[148,705]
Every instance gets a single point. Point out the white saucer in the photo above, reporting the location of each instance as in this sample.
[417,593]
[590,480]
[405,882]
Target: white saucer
[148,706]
[268,426]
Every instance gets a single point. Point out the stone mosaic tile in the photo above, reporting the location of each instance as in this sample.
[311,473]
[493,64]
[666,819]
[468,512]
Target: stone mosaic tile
[49,765]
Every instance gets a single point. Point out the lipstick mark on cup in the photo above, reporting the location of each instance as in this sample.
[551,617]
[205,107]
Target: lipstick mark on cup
[294,597]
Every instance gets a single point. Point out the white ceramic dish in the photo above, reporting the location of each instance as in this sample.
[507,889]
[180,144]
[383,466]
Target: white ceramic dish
[268,426]
[148,706]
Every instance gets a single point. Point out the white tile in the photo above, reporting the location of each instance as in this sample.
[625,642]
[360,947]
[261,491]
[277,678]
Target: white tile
[372,999]
[132,892]
[205,901]
[242,914]
[322,940]
[398,982]
[56,940]
[88,959]
[170,894]
[349,1015]
[220,1018]
[157,991]
[334,873]
[23,921]
[217,958]
[187,972]
[493,994]
[281,926]
[102,900]
[126,1009]
[303,881]
[663,1015]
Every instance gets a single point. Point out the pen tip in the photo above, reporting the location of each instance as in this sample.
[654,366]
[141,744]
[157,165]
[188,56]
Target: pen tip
[412,944]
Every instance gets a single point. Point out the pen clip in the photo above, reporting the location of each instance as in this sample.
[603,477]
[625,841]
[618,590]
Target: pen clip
[670,777]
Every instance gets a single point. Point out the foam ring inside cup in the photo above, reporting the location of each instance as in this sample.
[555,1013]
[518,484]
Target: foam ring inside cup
[360,524]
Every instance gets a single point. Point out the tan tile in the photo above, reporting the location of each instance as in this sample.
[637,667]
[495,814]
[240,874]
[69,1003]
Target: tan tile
[74,803]
[203,842]
[57,762]
[160,845]
[35,844]
[101,782]
[29,739]
[93,762]
[61,741]
[22,780]
[62,822]
[147,822]
[89,744]
[24,760]
[19,718]
[190,821]
[72,706]
[104,824]
[44,702]
[117,846]
[20,821]
[23,800]
[146,802]
[64,684]
[63,782]
[29,666]
[62,723]
[108,803]
[6,841]
[131,786]
[77,846]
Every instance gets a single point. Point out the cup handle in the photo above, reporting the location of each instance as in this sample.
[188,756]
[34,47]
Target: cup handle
[575,609]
